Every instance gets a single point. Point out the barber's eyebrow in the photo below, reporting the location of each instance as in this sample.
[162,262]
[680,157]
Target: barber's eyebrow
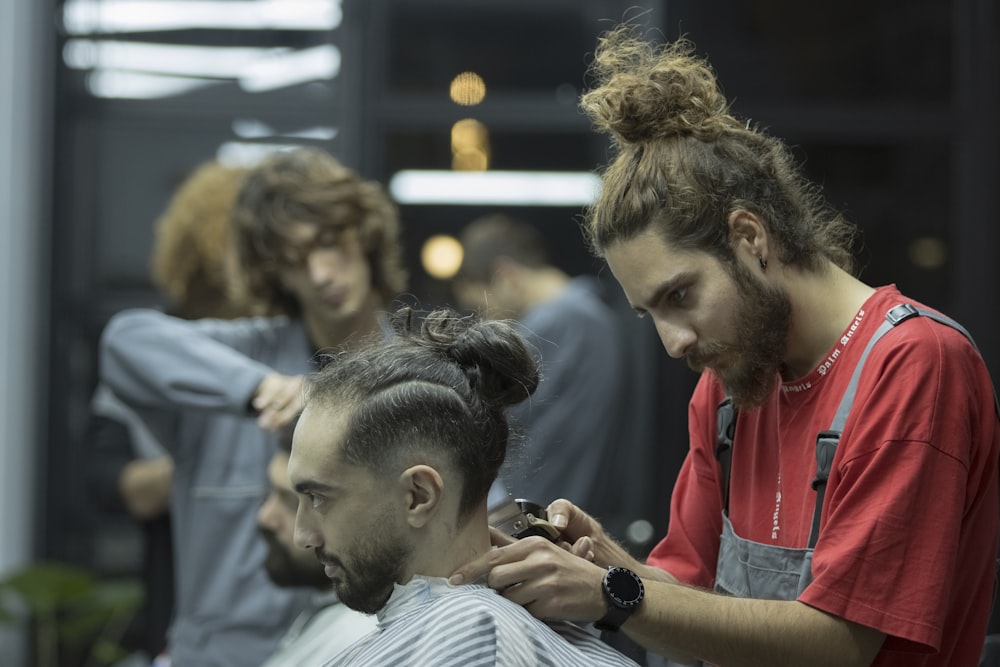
[664,287]
[312,486]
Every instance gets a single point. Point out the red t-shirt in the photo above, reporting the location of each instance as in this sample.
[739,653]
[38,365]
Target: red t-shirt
[910,520]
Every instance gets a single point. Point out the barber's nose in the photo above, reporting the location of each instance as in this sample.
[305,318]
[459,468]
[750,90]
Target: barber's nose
[677,340]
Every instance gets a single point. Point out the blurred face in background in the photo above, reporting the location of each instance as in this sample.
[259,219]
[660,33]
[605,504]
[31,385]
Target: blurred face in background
[500,298]
[286,564]
[326,268]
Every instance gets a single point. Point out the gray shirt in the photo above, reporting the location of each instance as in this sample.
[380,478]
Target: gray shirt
[571,424]
[320,632]
[192,382]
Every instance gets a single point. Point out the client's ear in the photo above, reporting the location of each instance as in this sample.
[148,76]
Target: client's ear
[423,487]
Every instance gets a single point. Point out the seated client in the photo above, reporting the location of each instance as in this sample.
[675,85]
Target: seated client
[393,457]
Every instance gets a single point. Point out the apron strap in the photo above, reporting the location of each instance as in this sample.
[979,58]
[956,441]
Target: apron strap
[725,417]
[827,441]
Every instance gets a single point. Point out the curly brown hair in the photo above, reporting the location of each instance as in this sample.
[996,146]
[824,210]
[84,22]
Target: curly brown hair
[684,162]
[309,185]
[189,262]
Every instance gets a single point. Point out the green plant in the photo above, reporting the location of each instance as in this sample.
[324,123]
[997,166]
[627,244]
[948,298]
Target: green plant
[76,619]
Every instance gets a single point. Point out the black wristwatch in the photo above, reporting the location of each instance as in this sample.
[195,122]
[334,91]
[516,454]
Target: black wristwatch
[624,591]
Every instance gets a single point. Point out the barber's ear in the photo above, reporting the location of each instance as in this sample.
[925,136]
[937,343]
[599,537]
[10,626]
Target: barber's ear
[748,234]
[423,487]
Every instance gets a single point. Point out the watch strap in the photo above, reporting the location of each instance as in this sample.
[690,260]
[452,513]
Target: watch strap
[619,609]
[613,620]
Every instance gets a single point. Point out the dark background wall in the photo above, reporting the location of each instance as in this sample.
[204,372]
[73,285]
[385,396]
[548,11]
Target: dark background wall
[892,105]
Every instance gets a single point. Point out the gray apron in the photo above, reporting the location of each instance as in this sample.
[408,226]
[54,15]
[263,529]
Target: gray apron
[749,569]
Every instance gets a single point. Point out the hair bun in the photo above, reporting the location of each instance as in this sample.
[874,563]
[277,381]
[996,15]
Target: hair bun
[645,92]
[500,365]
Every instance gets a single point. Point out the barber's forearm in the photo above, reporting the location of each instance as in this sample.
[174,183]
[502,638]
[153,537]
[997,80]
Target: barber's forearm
[609,552]
[685,623]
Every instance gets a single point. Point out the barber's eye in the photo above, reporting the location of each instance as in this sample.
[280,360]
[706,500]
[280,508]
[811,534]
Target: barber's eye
[677,296]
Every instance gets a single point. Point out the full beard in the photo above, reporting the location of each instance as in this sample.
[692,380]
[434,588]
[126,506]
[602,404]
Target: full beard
[366,584]
[764,320]
[287,571]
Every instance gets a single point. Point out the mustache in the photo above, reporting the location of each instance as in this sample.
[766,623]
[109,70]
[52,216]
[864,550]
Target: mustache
[699,357]
[326,559]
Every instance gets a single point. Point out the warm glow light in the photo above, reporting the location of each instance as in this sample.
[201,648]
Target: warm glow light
[441,256]
[928,252]
[467,89]
[469,133]
[513,188]
[86,17]
[470,146]
[472,159]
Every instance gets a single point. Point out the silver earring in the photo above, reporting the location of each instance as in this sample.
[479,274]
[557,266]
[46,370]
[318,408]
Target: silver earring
[763,262]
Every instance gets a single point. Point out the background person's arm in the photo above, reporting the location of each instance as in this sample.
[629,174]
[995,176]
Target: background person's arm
[152,360]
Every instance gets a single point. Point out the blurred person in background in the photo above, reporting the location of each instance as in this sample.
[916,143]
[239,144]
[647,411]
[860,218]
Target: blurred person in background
[572,425]
[318,248]
[129,470]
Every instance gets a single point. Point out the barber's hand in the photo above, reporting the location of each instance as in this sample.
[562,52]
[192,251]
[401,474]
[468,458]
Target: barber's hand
[278,400]
[548,579]
[586,536]
[588,539]
[583,547]
[572,522]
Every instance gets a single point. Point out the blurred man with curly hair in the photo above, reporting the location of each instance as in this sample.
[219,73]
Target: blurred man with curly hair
[129,471]
[317,248]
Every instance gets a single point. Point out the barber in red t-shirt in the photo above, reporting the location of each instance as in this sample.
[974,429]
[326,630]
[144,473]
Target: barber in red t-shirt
[851,515]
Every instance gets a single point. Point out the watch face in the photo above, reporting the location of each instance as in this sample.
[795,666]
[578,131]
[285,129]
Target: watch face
[624,587]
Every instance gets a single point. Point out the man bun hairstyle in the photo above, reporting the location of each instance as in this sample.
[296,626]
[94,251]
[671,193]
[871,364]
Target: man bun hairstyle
[441,387]
[683,162]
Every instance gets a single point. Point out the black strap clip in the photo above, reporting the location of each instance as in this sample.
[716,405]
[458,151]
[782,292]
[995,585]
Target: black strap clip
[826,447]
